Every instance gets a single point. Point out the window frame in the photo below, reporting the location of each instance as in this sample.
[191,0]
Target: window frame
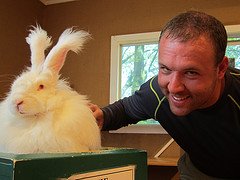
[115,72]
[116,43]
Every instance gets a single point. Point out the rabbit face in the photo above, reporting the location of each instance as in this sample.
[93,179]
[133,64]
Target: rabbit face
[30,94]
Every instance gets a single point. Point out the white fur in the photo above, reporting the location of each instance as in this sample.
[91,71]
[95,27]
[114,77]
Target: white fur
[38,41]
[53,118]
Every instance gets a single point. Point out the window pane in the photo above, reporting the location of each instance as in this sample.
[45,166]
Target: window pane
[139,63]
[233,53]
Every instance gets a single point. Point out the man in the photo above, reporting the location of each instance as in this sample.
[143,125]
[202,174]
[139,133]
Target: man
[195,97]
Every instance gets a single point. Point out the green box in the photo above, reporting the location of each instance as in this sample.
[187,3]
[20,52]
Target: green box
[49,166]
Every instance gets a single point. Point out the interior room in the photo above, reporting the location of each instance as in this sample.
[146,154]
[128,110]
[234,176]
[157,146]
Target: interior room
[89,72]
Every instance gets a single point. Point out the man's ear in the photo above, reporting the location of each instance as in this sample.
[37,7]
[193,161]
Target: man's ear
[223,66]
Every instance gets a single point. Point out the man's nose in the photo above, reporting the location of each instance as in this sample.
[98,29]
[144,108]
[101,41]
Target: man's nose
[176,84]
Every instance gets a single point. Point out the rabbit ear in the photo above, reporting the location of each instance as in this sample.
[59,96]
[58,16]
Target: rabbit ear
[69,40]
[39,42]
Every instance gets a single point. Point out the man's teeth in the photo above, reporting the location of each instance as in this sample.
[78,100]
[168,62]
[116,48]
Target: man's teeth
[179,98]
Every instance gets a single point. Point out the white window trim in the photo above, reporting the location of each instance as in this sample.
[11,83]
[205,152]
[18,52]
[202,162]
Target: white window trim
[116,42]
[233,30]
[150,37]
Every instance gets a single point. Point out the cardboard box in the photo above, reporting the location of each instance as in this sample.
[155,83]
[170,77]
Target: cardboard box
[106,164]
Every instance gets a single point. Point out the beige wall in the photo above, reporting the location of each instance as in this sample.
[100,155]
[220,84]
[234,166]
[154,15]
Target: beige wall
[15,19]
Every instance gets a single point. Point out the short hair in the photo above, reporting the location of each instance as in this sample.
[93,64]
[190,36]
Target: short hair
[193,24]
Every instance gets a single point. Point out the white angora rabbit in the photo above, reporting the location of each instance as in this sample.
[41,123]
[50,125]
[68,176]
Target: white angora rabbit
[41,113]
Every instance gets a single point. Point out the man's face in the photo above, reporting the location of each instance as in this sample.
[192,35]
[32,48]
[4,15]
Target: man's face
[188,75]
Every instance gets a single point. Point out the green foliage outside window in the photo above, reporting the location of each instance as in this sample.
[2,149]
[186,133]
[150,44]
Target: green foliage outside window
[233,51]
[139,63]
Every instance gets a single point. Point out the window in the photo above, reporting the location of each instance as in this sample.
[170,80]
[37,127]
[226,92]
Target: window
[233,48]
[134,59]
[120,44]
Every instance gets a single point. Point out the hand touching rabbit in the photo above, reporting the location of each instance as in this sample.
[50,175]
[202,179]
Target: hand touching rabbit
[41,112]
[98,114]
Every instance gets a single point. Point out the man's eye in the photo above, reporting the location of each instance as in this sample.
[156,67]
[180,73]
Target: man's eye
[191,73]
[164,70]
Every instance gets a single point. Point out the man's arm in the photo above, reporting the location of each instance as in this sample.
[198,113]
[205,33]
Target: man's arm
[115,116]
[140,106]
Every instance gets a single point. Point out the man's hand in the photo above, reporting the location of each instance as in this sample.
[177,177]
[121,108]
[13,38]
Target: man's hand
[97,113]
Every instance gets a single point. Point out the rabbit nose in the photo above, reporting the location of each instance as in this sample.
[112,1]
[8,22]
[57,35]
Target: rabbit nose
[19,102]
[18,105]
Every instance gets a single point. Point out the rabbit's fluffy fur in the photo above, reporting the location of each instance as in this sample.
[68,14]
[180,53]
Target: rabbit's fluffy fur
[41,113]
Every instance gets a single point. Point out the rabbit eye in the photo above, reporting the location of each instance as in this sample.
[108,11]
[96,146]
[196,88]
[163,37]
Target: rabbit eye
[40,87]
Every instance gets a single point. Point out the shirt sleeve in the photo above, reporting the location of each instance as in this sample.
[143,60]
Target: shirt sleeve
[140,106]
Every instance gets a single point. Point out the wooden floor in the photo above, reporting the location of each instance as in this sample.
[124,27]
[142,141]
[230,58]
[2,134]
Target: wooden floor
[163,161]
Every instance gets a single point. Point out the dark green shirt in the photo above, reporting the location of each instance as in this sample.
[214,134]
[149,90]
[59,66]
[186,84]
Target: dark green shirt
[210,136]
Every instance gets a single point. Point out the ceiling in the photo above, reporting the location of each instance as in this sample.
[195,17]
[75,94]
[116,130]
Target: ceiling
[48,2]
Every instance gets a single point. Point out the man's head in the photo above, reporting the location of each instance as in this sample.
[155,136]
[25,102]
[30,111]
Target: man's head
[192,61]
[192,24]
